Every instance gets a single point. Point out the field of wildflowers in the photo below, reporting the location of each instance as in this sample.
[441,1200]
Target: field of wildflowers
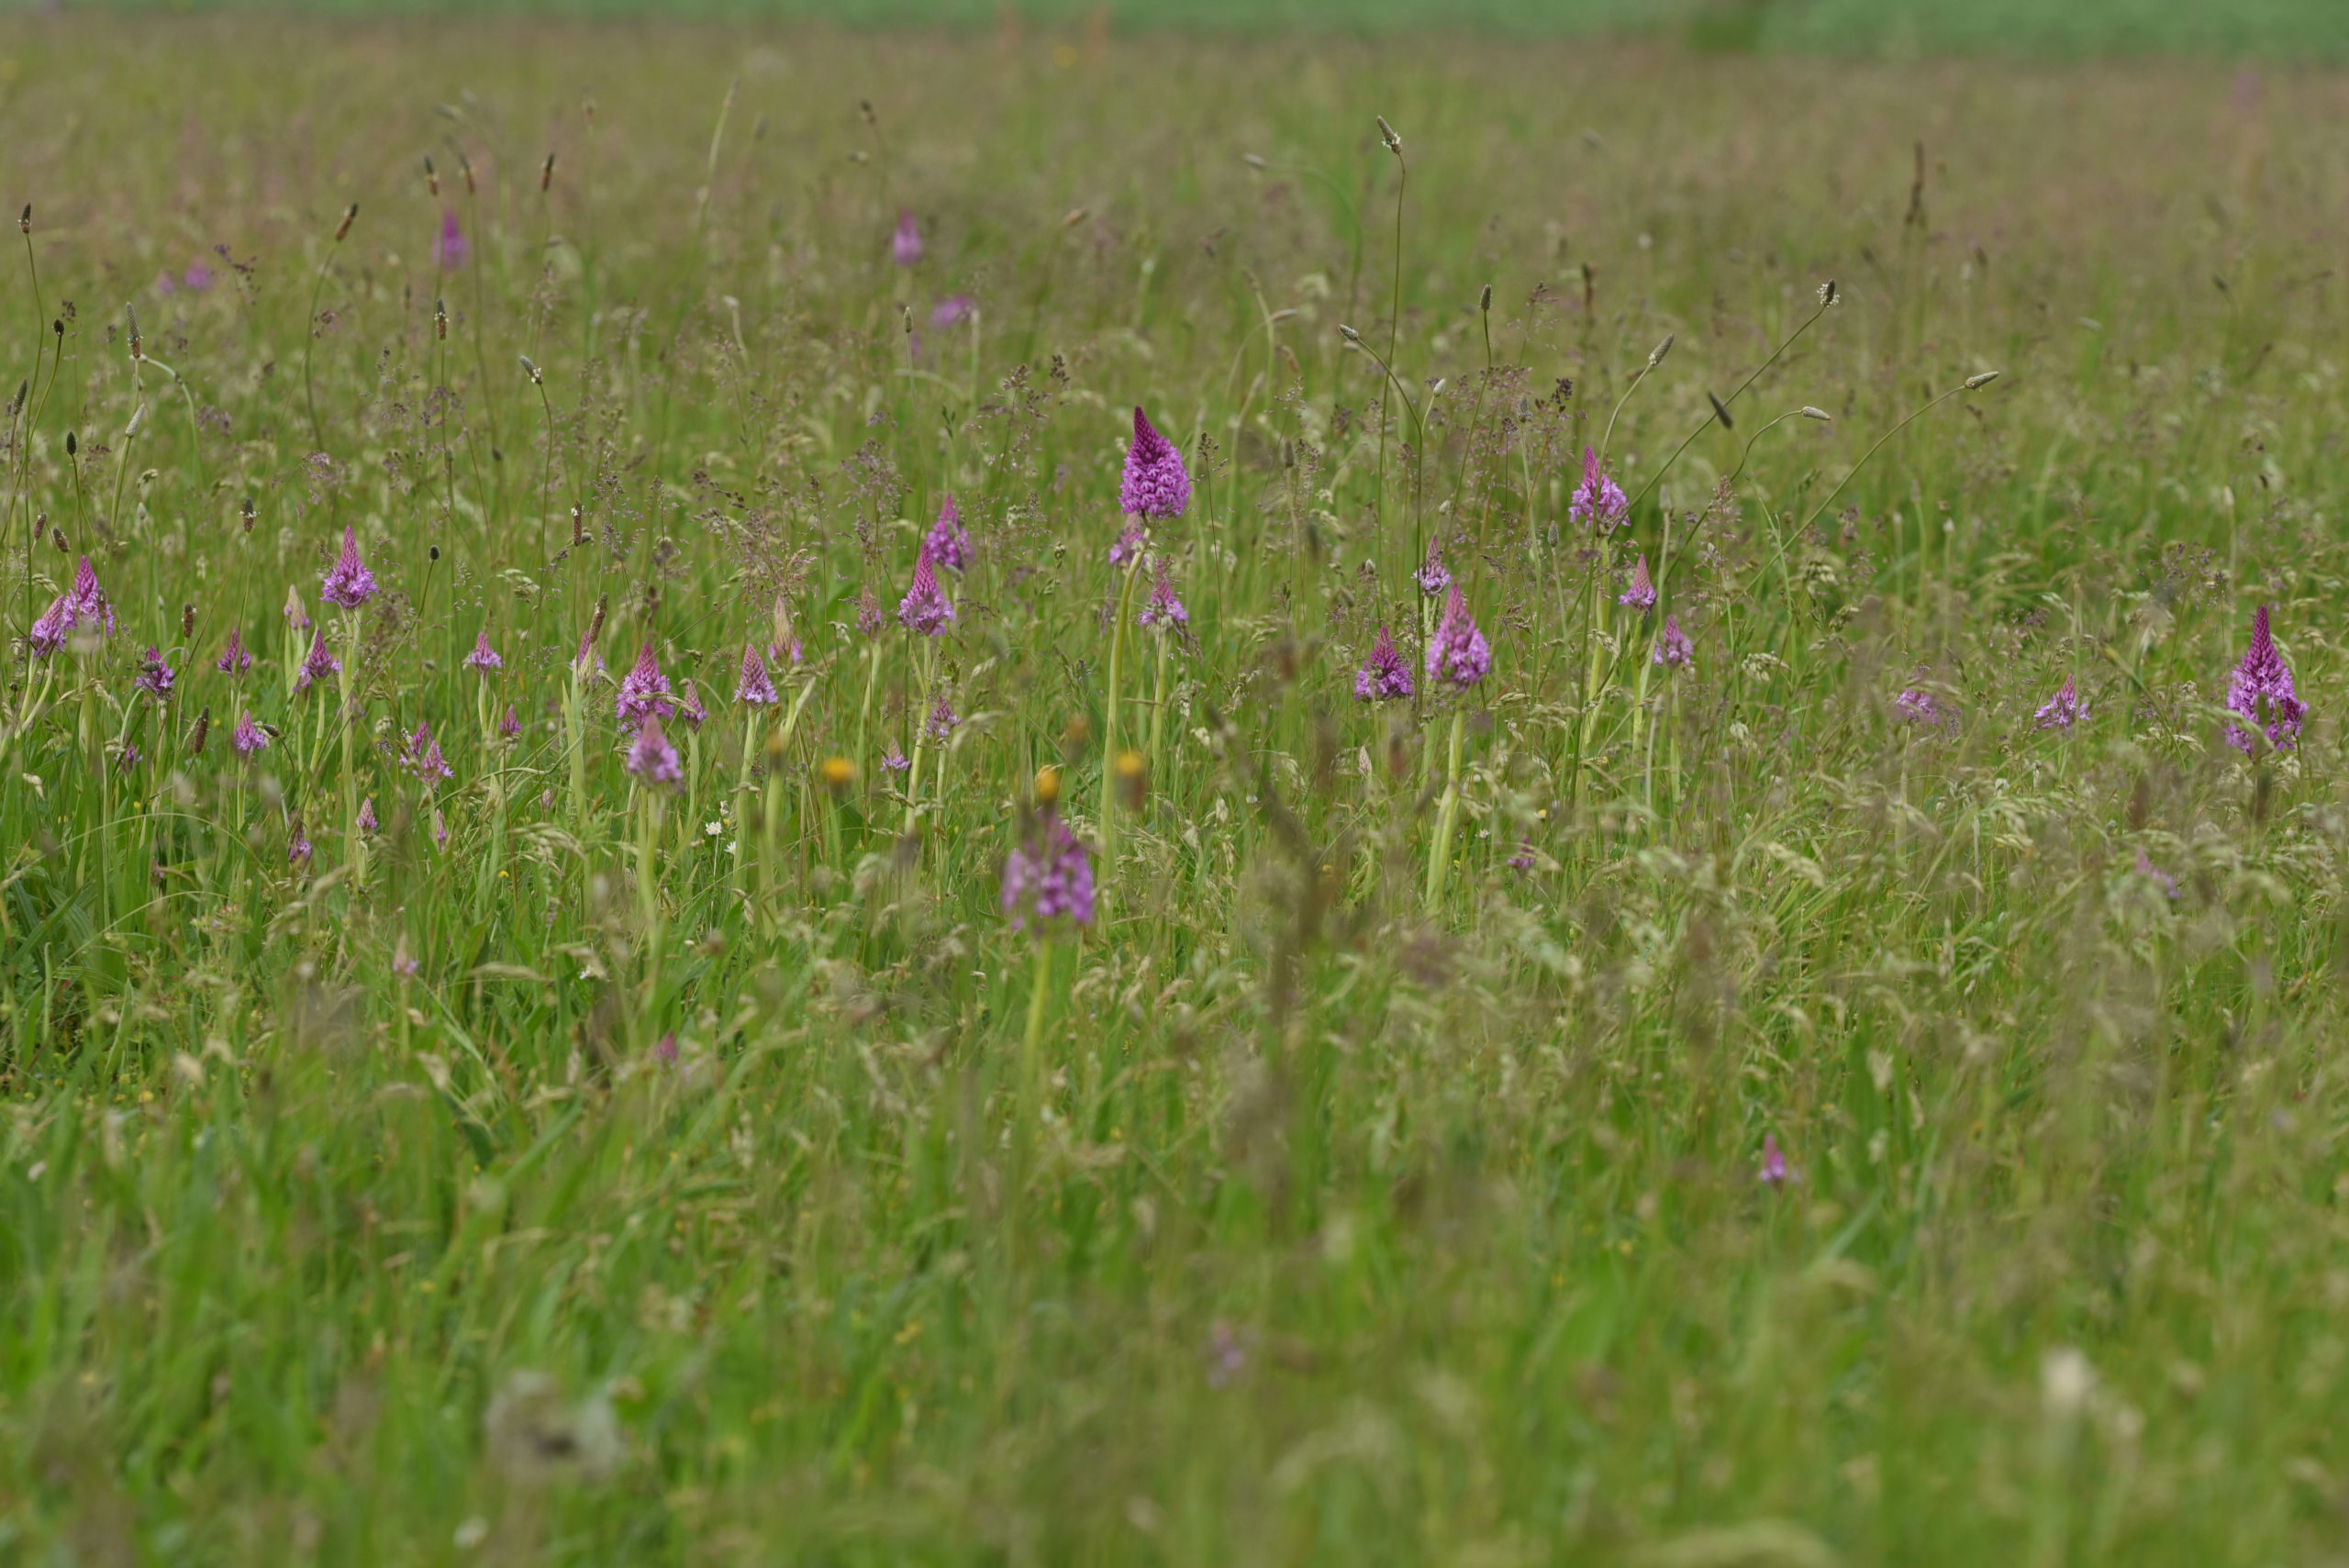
[792,799]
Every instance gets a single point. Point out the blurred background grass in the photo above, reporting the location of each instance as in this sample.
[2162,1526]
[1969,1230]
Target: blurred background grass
[2312,31]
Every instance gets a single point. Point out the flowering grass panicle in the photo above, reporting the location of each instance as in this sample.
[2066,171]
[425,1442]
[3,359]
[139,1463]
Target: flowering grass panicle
[1672,648]
[651,757]
[948,541]
[1599,501]
[645,691]
[1385,675]
[1048,879]
[2261,692]
[484,657]
[925,611]
[1458,655]
[754,685]
[1640,594]
[2065,710]
[347,582]
[1155,484]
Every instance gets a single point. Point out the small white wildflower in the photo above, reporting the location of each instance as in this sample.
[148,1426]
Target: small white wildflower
[712,828]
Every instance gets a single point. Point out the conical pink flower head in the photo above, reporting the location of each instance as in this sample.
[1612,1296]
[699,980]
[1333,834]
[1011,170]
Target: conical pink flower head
[1641,594]
[347,582]
[233,660]
[451,249]
[89,603]
[318,665]
[2064,710]
[948,541]
[2261,691]
[1048,879]
[905,246]
[754,685]
[1599,501]
[1672,649]
[652,758]
[484,657]
[925,611]
[1155,484]
[1433,577]
[1384,676]
[1162,611]
[1458,655]
[645,691]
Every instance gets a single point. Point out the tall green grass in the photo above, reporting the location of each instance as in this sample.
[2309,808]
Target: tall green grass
[2281,30]
[579,1189]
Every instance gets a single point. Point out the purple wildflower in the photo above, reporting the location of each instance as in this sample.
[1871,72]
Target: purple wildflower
[1126,545]
[1641,594]
[1673,648]
[48,634]
[1599,501]
[422,757]
[925,611]
[1458,653]
[165,284]
[1154,485]
[404,962]
[754,686]
[664,1050]
[644,692]
[869,619]
[318,665]
[953,311]
[652,758]
[1774,1162]
[297,618]
[1918,706]
[948,541]
[905,246]
[298,846]
[2261,691]
[233,660]
[155,676]
[347,582]
[1049,878]
[510,726]
[249,737]
[2158,877]
[894,760]
[942,723]
[484,657]
[1522,861]
[1432,576]
[197,277]
[439,830]
[88,602]
[690,706]
[1384,676]
[451,249]
[1162,611]
[367,823]
[2064,710]
[129,758]
[1227,1354]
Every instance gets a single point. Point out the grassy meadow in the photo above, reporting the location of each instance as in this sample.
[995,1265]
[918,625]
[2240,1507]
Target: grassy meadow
[1821,1102]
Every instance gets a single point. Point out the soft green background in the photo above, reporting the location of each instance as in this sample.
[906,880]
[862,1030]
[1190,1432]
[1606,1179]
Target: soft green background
[2273,29]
